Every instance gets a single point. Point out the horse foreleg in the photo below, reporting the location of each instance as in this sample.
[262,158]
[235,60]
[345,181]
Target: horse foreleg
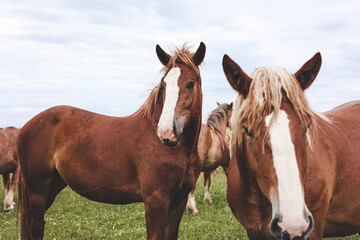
[6,182]
[156,212]
[9,197]
[176,211]
[191,203]
[207,183]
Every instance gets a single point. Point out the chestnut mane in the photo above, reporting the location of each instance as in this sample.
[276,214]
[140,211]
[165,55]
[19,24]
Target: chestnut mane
[217,116]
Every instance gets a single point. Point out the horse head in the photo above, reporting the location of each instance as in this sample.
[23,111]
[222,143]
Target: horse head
[273,122]
[182,95]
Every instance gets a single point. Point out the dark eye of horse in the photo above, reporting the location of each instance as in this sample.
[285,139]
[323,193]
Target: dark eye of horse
[248,133]
[190,85]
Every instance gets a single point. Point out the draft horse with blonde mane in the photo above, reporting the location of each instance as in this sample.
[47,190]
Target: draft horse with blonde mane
[213,148]
[9,164]
[150,156]
[294,173]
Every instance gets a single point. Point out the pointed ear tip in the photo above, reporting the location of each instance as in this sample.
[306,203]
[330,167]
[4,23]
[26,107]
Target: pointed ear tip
[226,57]
[202,46]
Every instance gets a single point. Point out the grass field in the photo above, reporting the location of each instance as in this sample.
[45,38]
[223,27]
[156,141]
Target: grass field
[74,217]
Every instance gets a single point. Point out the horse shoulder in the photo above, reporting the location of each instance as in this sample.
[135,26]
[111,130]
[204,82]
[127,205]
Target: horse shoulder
[204,142]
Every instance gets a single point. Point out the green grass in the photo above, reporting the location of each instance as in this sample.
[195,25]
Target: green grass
[74,217]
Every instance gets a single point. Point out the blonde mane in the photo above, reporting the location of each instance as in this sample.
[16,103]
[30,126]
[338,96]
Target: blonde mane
[179,55]
[265,96]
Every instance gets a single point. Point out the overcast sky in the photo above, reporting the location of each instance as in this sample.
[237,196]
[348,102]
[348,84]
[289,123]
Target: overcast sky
[100,55]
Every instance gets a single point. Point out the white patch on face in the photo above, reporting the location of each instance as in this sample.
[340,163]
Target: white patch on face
[291,198]
[171,97]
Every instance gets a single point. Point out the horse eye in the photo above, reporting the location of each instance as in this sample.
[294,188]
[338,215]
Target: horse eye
[190,85]
[248,133]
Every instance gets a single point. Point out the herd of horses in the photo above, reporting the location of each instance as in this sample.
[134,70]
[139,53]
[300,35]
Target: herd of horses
[292,174]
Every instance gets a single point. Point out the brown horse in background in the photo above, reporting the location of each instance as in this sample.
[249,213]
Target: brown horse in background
[149,156]
[294,173]
[9,164]
[213,147]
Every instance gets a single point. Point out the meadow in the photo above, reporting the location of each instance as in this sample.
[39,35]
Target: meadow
[74,217]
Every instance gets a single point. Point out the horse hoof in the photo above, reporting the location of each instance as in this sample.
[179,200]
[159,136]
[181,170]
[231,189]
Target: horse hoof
[9,207]
[207,200]
[193,211]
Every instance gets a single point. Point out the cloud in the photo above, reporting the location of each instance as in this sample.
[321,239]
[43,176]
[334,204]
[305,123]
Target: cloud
[20,110]
[100,55]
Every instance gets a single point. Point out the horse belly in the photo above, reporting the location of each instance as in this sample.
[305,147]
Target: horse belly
[104,180]
[113,196]
[106,192]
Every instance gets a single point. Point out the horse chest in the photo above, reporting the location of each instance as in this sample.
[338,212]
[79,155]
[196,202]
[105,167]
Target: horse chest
[7,163]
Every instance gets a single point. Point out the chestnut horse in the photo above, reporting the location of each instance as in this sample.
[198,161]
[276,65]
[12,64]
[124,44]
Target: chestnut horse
[9,164]
[150,156]
[213,147]
[294,173]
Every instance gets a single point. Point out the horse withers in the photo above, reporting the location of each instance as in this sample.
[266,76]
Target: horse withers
[293,172]
[149,156]
[9,164]
[213,147]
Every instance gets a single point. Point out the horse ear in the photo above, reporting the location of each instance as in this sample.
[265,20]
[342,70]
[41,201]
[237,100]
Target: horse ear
[231,105]
[199,55]
[162,55]
[217,103]
[237,78]
[308,72]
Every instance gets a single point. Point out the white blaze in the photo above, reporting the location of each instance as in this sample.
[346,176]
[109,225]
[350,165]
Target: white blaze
[291,198]
[171,97]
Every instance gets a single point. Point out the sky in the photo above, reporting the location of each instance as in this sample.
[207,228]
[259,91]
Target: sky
[100,55]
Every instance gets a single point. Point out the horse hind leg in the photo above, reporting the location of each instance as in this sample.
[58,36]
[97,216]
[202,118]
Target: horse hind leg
[207,183]
[57,184]
[34,202]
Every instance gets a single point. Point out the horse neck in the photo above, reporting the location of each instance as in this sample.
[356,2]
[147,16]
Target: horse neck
[191,133]
[155,116]
[223,125]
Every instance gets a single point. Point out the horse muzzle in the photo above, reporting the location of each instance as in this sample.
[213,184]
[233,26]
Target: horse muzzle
[283,234]
[168,136]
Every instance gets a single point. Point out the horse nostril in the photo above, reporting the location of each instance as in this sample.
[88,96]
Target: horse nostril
[310,228]
[275,229]
[175,132]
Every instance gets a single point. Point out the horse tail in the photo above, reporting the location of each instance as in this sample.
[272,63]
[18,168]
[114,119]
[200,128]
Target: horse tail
[23,209]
